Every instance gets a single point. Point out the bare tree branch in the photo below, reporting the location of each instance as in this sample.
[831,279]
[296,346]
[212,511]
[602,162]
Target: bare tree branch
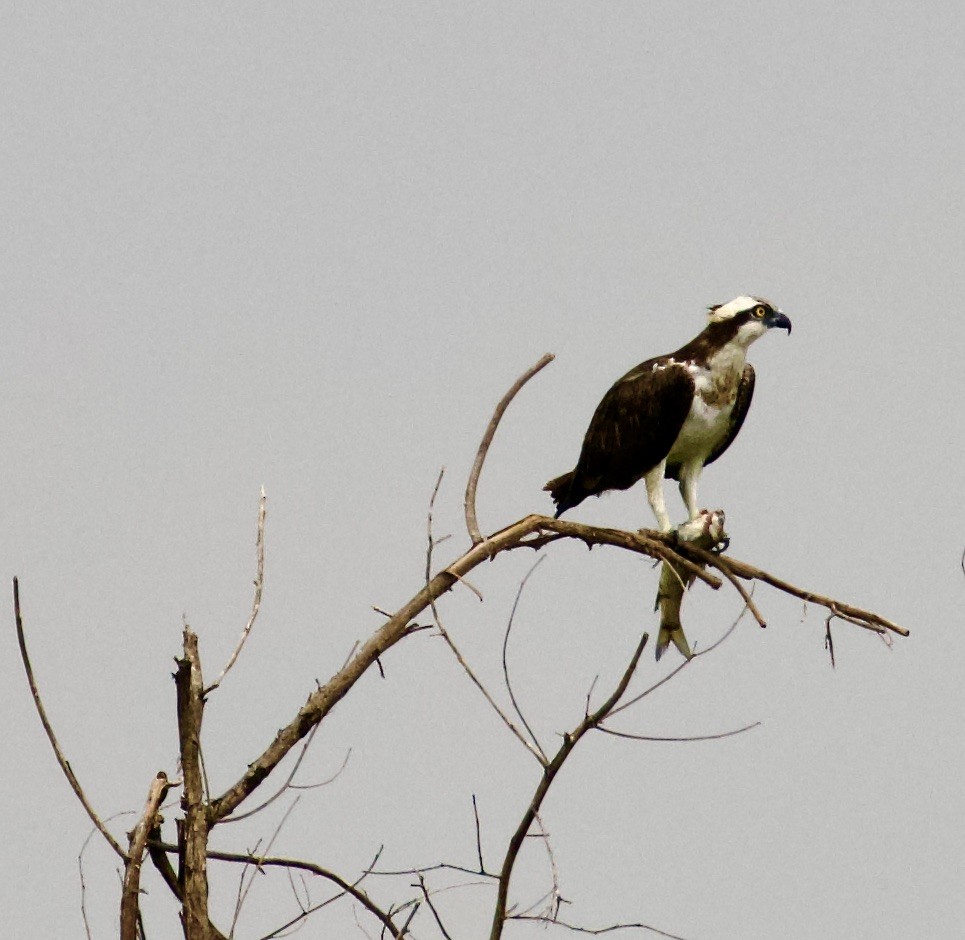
[130,893]
[432,908]
[681,666]
[570,740]
[288,785]
[475,812]
[532,746]
[243,889]
[293,863]
[193,828]
[594,931]
[531,531]
[689,737]
[862,618]
[509,685]
[259,585]
[470,501]
[48,728]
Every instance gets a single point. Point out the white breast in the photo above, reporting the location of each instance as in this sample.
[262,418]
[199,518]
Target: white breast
[708,421]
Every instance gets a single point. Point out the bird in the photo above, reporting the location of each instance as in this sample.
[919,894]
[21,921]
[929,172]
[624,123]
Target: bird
[672,415]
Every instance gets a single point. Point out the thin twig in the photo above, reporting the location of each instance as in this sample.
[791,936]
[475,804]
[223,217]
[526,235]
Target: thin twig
[536,750]
[275,862]
[570,740]
[287,785]
[555,896]
[438,866]
[595,931]
[745,596]
[259,585]
[691,737]
[475,813]
[470,501]
[243,894]
[80,868]
[48,728]
[679,668]
[329,779]
[432,908]
[509,685]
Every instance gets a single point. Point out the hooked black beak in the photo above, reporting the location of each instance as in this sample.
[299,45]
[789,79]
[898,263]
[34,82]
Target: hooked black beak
[778,319]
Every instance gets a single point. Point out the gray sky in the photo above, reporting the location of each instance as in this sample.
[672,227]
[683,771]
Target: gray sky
[309,246]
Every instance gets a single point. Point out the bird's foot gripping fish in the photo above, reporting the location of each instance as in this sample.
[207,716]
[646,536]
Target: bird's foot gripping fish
[707,532]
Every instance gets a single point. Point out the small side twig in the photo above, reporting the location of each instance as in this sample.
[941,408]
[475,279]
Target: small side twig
[470,501]
[533,747]
[48,728]
[597,931]
[243,888]
[432,908]
[509,685]
[256,603]
[689,737]
[680,667]
[475,813]
[347,887]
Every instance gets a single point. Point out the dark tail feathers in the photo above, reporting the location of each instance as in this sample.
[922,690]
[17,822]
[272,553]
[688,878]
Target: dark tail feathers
[559,488]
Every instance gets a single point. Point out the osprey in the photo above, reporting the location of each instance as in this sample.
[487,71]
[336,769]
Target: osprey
[672,415]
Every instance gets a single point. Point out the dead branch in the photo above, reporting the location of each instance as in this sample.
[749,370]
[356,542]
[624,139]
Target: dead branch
[259,585]
[130,893]
[347,887]
[432,908]
[243,889]
[866,619]
[470,501]
[570,740]
[532,746]
[526,532]
[681,666]
[509,685]
[475,813]
[594,932]
[288,785]
[193,828]
[48,728]
[689,737]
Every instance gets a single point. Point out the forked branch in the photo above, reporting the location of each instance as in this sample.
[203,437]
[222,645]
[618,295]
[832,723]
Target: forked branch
[570,740]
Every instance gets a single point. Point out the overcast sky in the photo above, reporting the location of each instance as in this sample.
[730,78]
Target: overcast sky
[309,246]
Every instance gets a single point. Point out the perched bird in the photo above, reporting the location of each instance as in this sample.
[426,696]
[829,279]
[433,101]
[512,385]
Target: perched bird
[672,415]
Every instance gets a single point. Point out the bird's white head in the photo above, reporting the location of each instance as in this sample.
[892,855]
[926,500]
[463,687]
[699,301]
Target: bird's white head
[752,317]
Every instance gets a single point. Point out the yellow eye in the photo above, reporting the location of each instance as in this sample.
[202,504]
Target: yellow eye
[759,312]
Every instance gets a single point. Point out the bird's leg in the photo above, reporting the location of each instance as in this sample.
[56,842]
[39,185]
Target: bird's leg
[689,475]
[654,481]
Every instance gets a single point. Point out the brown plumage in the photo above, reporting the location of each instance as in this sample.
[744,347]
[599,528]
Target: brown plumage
[682,410]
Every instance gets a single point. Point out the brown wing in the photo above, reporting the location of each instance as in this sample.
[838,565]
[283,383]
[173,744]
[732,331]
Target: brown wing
[745,392]
[632,430]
